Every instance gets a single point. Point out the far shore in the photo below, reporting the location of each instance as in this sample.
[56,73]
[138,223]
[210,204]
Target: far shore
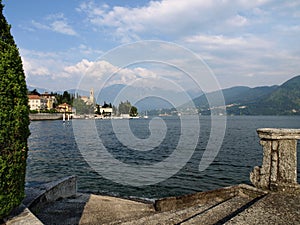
[45,116]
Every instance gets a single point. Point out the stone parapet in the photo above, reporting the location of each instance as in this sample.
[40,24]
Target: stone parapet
[50,192]
[278,134]
[279,167]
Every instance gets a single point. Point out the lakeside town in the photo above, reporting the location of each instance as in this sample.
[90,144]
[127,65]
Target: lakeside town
[56,106]
[265,100]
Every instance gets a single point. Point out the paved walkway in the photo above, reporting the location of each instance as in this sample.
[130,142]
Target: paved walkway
[92,209]
[232,205]
[274,208]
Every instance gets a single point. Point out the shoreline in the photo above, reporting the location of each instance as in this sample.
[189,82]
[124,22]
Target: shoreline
[58,202]
[45,116]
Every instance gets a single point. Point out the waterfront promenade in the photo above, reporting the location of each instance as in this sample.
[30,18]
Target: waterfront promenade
[274,198]
[240,204]
[271,209]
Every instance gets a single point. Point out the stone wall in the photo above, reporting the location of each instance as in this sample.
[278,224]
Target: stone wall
[46,116]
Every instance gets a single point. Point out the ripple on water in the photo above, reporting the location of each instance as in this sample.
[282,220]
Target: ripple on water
[54,154]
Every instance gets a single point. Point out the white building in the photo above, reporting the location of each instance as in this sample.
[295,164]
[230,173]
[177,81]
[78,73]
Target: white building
[45,101]
[49,100]
[89,100]
[107,111]
[34,102]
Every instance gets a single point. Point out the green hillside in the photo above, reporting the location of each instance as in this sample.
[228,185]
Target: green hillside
[267,100]
[285,100]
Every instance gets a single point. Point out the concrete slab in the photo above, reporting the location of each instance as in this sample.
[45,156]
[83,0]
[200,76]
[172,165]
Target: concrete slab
[241,204]
[275,208]
[92,209]
[22,216]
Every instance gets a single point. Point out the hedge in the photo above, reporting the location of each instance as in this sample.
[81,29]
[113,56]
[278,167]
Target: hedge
[14,121]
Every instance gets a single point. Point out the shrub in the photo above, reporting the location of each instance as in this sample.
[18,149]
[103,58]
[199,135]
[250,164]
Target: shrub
[14,121]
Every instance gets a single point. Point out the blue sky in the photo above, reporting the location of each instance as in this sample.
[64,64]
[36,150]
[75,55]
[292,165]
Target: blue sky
[251,43]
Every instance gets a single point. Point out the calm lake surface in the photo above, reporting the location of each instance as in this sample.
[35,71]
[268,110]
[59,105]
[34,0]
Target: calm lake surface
[54,153]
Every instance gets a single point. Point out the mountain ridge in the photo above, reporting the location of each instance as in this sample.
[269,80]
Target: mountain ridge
[281,99]
[156,97]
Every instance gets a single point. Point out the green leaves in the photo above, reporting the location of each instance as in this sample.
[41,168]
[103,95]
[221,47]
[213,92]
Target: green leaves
[82,107]
[14,121]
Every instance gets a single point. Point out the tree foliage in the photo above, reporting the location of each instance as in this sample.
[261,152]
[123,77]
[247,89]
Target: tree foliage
[14,121]
[34,92]
[82,107]
[127,108]
[124,107]
[133,111]
[66,97]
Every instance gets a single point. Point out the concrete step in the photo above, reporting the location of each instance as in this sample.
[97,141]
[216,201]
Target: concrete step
[170,217]
[222,212]
[274,208]
[212,213]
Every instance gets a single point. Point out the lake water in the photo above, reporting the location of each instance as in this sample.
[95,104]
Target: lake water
[54,153]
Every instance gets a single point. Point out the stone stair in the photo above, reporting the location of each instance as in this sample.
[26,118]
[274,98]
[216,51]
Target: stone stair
[170,217]
[216,211]
[238,204]
[222,212]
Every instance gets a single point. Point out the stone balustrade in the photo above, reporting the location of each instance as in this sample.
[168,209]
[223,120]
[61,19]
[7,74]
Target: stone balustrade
[279,167]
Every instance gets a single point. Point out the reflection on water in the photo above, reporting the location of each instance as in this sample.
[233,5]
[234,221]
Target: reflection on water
[54,154]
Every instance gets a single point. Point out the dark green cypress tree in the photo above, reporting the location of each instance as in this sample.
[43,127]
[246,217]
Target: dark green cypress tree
[14,121]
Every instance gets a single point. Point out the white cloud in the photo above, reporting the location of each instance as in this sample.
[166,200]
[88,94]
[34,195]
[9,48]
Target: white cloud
[79,68]
[62,27]
[54,69]
[91,69]
[100,73]
[213,40]
[227,43]
[237,21]
[32,68]
[86,50]
[39,25]
[45,69]
[56,23]
[172,17]
[288,29]
[245,60]
[237,38]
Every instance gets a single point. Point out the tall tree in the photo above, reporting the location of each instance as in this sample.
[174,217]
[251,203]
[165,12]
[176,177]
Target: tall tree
[124,107]
[133,111]
[82,107]
[34,92]
[14,121]
[67,98]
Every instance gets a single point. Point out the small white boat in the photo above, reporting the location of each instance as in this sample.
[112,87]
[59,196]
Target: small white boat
[145,116]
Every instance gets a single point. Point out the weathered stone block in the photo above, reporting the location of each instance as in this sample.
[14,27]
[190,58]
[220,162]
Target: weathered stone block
[287,163]
[279,166]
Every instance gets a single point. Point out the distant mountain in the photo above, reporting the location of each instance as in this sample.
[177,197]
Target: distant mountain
[39,90]
[194,93]
[267,100]
[284,100]
[147,98]
[234,95]
[240,100]
[76,91]
[109,94]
